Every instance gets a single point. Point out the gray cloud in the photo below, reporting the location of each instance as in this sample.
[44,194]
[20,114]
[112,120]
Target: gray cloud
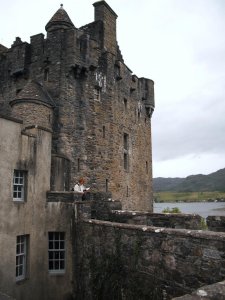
[180,44]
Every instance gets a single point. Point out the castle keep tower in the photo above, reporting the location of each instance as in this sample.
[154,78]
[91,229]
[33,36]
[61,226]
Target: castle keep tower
[75,83]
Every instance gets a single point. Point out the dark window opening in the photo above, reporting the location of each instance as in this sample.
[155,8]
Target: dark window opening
[139,116]
[125,141]
[106,185]
[78,165]
[146,167]
[46,74]
[125,151]
[125,105]
[125,160]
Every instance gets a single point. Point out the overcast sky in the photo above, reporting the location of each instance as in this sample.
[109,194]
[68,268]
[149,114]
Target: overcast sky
[180,44]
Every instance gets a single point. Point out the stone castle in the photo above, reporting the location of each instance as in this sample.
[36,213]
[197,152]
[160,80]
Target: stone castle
[75,83]
[71,108]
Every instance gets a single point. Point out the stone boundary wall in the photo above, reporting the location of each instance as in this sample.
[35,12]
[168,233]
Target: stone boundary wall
[141,262]
[63,196]
[216,223]
[69,197]
[210,292]
[179,221]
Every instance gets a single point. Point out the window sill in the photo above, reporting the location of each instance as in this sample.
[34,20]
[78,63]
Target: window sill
[21,281]
[56,273]
[18,201]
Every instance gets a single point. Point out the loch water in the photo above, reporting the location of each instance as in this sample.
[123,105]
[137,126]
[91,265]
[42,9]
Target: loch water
[203,209]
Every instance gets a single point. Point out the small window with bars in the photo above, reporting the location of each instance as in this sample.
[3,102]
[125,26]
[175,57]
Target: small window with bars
[19,179]
[56,252]
[21,256]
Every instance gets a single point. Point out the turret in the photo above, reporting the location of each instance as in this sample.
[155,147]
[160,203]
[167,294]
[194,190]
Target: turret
[60,20]
[146,87]
[33,105]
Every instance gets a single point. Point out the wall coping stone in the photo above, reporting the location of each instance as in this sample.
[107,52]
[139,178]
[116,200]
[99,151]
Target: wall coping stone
[209,292]
[135,212]
[38,127]
[200,234]
[11,119]
[69,197]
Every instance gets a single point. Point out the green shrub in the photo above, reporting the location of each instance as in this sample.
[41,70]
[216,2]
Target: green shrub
[173,210]
[203,224]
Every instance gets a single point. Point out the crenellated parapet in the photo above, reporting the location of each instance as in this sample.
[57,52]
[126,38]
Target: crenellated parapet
[19,56]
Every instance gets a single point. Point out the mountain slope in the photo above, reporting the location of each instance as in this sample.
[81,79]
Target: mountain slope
[193,183]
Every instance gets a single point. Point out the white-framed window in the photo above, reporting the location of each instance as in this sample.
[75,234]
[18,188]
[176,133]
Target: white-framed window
[56,252]
[19,177]
[21,256]
[97,94]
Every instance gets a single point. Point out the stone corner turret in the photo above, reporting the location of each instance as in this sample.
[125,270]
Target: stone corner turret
[60,20]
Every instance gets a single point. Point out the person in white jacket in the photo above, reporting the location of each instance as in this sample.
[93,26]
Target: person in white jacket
[80,188]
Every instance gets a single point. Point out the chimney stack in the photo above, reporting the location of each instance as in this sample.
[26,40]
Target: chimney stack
[104,13]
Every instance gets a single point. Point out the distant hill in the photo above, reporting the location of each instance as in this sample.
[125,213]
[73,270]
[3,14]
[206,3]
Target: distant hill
[193,183]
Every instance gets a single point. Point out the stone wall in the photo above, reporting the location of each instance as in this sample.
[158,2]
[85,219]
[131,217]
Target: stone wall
[140,262]
[216,223]
[210,292]
[181,221]
[33,114]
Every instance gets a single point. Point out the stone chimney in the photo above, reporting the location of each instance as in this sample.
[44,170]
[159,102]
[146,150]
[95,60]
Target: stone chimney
[104,13]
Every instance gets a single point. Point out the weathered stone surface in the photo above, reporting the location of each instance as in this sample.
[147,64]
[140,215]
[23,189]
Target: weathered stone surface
[210,292]
[172,261]
[182,221]
[216,223]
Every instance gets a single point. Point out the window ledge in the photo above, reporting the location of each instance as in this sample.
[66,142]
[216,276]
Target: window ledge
[18,201]
[22,280]
[56,273]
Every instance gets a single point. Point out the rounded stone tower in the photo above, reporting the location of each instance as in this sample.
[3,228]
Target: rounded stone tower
[33,105]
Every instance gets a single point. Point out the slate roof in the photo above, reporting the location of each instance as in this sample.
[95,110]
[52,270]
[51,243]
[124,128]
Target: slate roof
[60,18]
[35,91]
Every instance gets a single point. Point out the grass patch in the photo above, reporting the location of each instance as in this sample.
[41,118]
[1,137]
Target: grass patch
[188,196]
